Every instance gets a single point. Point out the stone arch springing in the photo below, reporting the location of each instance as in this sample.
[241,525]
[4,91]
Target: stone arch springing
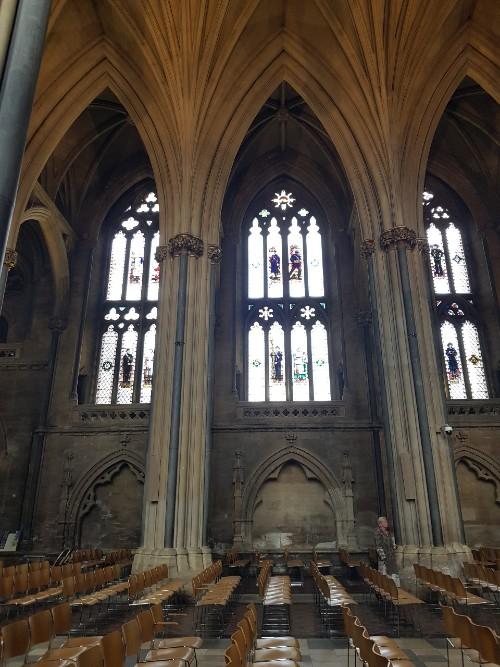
[336,497]
[83,496]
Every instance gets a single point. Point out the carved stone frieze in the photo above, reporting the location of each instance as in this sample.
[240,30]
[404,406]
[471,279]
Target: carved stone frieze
[392,237]
[422,245]
[10,259]
[185,244]
[214,254]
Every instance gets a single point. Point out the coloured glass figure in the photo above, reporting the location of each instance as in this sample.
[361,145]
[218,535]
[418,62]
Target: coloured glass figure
[295,264]
[453,367]
[127,366]
[437,256]
[274,264]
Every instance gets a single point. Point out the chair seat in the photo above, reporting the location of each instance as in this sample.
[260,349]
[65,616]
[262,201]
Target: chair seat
[64,653]
[179,642]
[181,653]
[281,663]
[157,663]
[391,652]
[279,653]
[82,641]
[276,642]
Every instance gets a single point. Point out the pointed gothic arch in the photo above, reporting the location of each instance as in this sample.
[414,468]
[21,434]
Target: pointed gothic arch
[335,496]
[83,495]
[482,465]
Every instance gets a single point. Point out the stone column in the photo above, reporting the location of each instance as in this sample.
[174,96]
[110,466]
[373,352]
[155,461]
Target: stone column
[174,490]
[18,88]
[56,326]
[215,256]
[402,238]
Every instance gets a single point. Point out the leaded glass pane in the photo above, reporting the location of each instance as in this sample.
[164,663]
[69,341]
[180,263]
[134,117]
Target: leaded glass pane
[457,259]
[128,353]
[474,361]
[320,366]
[274,264]
[106,369]
[154,270]
[300,368]
[135,267]
[116,267]
[147,364]
[255,268]
[438,260]
[314,260]
[295,261]
[277,388]
[256,364]
[453,363]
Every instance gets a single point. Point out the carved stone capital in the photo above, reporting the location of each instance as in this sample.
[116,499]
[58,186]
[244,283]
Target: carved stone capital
[392,237]
[185,244]
[57,324]
[10,259]
[161,253]
[214,254]
[367,247]
[364,318]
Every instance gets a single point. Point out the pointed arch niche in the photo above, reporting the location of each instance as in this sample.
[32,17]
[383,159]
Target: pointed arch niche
[270,499]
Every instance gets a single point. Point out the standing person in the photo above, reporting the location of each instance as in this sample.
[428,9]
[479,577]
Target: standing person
[386,549]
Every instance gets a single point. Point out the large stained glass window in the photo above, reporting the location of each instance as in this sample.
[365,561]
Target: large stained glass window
[287,324]
[465,376]
[127,343]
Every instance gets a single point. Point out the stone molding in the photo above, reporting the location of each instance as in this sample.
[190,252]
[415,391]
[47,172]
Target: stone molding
[185,244]
[392,237]
[291,411]
[112,414]
[485,467]
[367,248]
[10,259]
[214,254]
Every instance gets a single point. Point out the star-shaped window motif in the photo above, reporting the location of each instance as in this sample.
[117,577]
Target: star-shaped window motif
[264,213]
[303,212]
[266,313]
[307,312]
[283,200]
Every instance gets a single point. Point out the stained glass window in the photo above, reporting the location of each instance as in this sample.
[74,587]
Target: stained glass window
[126,355]
[462,356]
[287,325]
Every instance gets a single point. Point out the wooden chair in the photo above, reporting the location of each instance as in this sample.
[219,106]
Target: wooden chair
[134,636]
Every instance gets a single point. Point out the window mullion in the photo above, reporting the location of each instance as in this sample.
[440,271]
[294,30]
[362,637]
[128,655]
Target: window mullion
[309,365]
[463,358]
[266,363]
[448,260]
[304,262]
[288,360]
[116,378]
[284,262]
[126,269]
[264,258]
[136,393]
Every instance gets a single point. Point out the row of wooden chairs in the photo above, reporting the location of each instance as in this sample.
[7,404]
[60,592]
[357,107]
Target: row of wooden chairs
[233,561]
[152,586]
[373,650]
[489,556]
[38,632]
[485,578]
[82,555]
[206,578]
[247,649]
[450,590]
[395,600]
[214,606]
[19,568]
[330,597]
[346,560]
[121,556]
[276,594]
[479,642]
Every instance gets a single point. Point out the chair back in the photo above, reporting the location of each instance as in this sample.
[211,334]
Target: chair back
[132,637]
[61,616]
[15,639]
[232,656]
[41,627]
[146,623]
[93,656]
[113,649]
[238,638]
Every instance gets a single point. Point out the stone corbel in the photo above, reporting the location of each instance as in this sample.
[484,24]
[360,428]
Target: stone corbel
[214,254]
[367,248]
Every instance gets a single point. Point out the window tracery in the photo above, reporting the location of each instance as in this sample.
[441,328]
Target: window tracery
[455,304]
[127,345]
[287,314]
